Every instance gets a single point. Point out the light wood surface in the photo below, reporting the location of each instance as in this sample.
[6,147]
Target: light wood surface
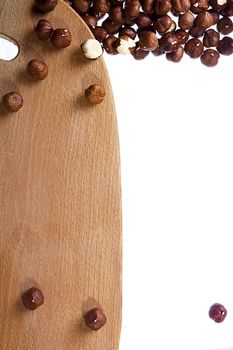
[60,197]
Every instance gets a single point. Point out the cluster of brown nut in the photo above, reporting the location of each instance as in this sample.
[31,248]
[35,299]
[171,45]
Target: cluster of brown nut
[170,27]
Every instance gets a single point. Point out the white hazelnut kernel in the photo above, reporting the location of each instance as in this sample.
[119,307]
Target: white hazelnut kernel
[126,45]
[92,49]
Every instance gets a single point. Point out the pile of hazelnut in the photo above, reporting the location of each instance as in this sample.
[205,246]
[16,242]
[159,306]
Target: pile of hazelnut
[199,28]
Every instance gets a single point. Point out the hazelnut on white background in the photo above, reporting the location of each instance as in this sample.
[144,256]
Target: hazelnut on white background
[126,45]
[92,49]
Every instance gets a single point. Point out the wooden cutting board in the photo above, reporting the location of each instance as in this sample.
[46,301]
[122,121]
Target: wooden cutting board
[60,196]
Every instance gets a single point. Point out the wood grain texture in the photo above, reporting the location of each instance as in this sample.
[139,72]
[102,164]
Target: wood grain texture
[60,196]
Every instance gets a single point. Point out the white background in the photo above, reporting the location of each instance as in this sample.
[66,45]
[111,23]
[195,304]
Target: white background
[176,135]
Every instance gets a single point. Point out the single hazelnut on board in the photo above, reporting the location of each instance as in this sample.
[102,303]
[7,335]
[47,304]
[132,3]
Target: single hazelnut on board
[46,5]
[194,48]
[95,319]
[92,49]
[38,70]
[211,38]
[95,94]
[13,101]
[225,26]
[225,46]
[33,298]
[61,38]
[175,56]
[126,45]
[210,58]
[217,313]
[43,29]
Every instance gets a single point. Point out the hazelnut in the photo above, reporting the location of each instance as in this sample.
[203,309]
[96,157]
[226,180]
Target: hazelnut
[38,70]
[95,319]
[91,21]
[33,298]
[225,26]
[101,6]
[225,46]
[61,38]
[211,38]
[196,32]
[162,7]
[228,10]
[199,6]
[148,6]
[128,31]
[110,26]
[81,6]
[46,5]
[186,20]
[95,94]
[169,42]
[218,5]
[194,48]
[182,36]
[163,24]
[116,14]
[110,44]
[100,33]
[158,51]
[132,9]
[218,313]
[215,16]
[204,20]
[148,41]
[175,56]
[181,6]
[139,54]
[126,45]
[43,30]
[210,58]
[92,49]
[143,21]
[13,101]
